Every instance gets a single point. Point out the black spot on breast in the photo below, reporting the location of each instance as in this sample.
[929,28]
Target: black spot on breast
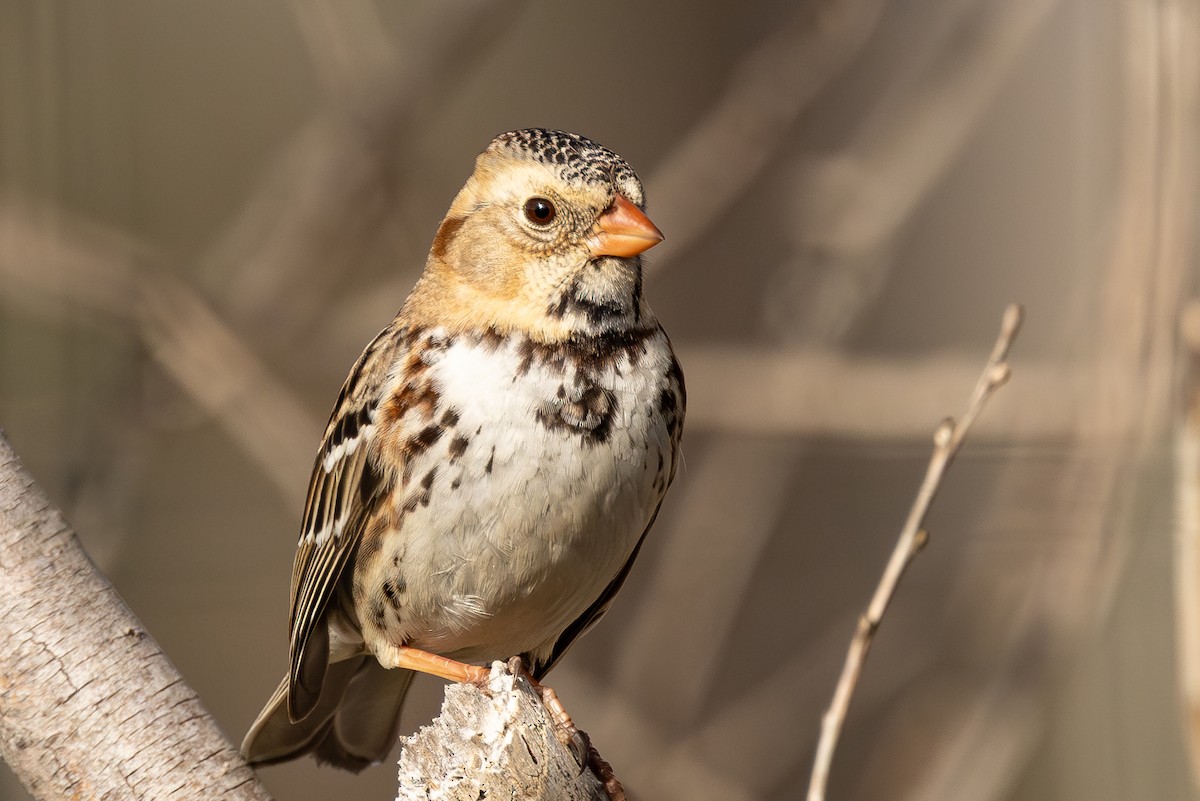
[491,460]
[422,496]
[450,418]
[393,588]
[458,446]
[492,339]
[590,353]
[525,354]
[587,409]
[424,438]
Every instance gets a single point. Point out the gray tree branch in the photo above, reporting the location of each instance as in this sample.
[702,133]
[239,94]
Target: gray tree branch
[90,707]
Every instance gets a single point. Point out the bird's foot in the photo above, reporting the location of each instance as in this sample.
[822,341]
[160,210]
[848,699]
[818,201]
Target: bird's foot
[401,656]
[570,735]
[600,767]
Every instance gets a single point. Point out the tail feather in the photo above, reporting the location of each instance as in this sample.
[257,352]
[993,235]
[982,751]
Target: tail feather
[353,724]
[367,722]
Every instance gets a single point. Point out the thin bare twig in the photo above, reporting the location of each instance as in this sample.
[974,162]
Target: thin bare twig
[947,439]
[823,392]
[849,207]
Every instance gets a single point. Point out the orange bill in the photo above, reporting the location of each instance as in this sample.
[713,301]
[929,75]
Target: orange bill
[623,231]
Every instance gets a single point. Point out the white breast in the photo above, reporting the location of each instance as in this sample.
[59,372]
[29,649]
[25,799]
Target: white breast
[527,522]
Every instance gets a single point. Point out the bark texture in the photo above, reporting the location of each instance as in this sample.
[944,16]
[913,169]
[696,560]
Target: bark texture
[90,707]
[497,743]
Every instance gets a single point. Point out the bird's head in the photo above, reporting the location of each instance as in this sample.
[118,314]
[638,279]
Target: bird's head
[545,238]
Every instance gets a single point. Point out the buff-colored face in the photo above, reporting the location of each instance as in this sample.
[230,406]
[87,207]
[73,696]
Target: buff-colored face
[539,242]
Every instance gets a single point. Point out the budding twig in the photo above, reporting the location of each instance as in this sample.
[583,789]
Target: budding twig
[947,439]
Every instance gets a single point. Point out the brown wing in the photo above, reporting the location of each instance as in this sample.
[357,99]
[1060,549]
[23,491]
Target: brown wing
[672,406]
[347,485]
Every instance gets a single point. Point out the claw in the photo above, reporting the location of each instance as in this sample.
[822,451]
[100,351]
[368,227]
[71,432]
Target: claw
[580,746]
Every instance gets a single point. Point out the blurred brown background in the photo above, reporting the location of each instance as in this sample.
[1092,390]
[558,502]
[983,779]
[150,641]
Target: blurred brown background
[206,209]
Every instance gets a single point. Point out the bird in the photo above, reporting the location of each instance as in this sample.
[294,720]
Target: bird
[494,460]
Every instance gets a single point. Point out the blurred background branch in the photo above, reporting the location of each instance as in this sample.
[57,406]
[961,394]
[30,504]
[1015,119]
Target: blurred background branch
[53,262]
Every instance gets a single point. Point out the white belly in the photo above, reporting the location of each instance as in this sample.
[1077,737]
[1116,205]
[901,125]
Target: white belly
[525,524]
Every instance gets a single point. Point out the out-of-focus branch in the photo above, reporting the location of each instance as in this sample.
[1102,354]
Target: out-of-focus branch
[709,506]
[860,197]
[50,256]
[347,42]
[805,392]
[90,707]
[746,126]
[850,205]
[1187,539]
[228,380]
[947,440]
[313,216]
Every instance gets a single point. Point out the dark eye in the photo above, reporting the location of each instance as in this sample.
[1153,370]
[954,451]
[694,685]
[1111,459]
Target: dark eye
[540,211]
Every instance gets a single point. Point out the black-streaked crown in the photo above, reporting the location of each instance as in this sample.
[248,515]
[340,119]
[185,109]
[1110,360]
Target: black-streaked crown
[575,157]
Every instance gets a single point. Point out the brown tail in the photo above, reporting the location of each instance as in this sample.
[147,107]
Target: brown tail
[354,723]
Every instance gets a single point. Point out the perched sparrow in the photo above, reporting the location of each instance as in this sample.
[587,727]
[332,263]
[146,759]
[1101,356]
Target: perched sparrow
[495,457]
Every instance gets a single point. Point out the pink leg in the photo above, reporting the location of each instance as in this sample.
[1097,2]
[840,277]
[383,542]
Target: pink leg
[401,656]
